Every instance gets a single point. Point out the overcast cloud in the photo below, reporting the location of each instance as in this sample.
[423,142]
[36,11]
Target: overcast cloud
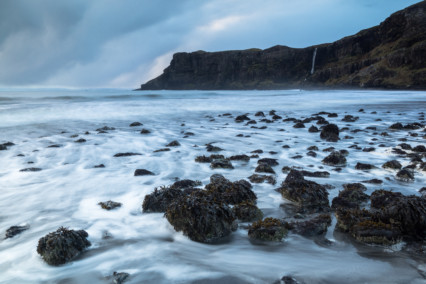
[117,43]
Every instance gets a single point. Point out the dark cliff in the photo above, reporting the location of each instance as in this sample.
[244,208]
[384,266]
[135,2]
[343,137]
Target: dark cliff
[391,55]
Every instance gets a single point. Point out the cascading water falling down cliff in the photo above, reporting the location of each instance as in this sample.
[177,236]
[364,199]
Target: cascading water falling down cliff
[313,61]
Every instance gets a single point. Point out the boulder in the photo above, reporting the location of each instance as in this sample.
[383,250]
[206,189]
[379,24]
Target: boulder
[247,212]
[393,164]
[143,172]
[330,133]
[160,199]
[313,227]
[62,246]
[335,159]
[307,194]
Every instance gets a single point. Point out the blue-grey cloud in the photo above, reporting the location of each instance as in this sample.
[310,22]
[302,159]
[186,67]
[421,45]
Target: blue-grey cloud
[111,43]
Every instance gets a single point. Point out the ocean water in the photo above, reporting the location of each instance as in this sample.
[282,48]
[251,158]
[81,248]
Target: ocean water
[67,189]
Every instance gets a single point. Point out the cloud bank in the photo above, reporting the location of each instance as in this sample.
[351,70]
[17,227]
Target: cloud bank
[111,43]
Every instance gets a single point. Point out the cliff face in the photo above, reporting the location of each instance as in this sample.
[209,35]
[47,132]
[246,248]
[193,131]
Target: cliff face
[391,55]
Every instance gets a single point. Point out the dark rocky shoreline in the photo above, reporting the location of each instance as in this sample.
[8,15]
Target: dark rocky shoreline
[391,55]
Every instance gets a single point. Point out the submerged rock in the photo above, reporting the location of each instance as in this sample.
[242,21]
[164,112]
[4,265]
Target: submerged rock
[15,230]
[30,170]
[62,246]
[256,178]
[109,205]
[269,229]
[313,227]
[126,154]
[119,277]
[143,172]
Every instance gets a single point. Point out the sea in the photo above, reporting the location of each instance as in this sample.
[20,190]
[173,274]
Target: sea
[44,125]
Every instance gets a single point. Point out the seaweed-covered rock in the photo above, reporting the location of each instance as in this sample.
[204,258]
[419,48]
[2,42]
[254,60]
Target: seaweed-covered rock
[15,230]
[313,129]
[174,143]
[330,133]
[109,205]
[160,199]
[264,168]
[126,154]
[376,232]
[269,229]
[268,161]
[351,197]
[405,175]
[211,148]
[136,123]
[244,158]
[221,164]
[201,218]
[241,118]
[363,166]
[229,192]
[312,227]
[317,174]
[203,159]
[335,159]
[299,125]
[256,178]
[143,172]
[62,246]
[185,183]
[393,164]
[247,212]
[307,194]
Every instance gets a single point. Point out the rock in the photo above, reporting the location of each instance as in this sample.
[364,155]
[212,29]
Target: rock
[307,194]
[299,125]
[160,199]
[330,133]
[419,149]
[15,230]
[230,192]
[258,151]
[211,148]
[127,154]
[185,183]
[241,118]
[162,150]
[312,148]
[364,167]
[288,280]
[109,205]
[317,174]
[269,229]
[268,161]
[145,131]
[81,140]
[393,164]
[2,147]
[311,154]
[373,181]
[313,129]
[405,146]
[405,175]
[313,227]
[99,166]
[351,197]
[200,218]
[203,159]
[221,164]
[30,170]
[260,113]
[335,159]
[256,178]
[369,149]
[350,118]
[244,158]
[247,212]
[62,246]
[119,277]
[105,128]
[143,172]
[136,123]
[173,144]
[264,168]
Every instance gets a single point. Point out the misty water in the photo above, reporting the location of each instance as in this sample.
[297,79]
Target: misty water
[67,190]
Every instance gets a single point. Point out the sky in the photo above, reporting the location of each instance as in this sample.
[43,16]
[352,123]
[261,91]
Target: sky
[124,43]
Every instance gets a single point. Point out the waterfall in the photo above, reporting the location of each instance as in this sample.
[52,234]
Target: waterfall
[313,61]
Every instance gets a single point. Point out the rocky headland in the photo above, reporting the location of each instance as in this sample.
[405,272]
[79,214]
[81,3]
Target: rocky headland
[391,55]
